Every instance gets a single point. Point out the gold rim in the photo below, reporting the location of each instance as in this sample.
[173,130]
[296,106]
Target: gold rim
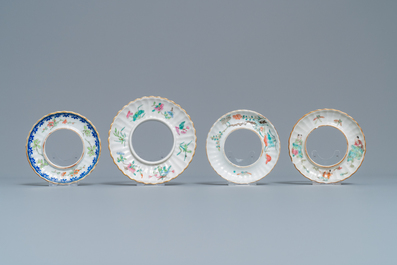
[71,112]
[343,113]
[334,165]
[229,113]
[195,139]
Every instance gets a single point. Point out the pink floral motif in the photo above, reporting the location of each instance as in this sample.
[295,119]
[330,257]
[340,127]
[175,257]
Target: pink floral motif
[131,168]
[159,107]
[129,114]
[181,128]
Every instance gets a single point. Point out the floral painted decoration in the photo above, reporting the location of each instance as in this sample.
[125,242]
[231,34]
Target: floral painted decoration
[242,119]
[36,153]
[332,173]
[169,166]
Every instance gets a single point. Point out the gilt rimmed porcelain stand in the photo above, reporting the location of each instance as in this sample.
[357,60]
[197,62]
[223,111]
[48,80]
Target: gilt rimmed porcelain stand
[347,166]
[152,109]
[248,120]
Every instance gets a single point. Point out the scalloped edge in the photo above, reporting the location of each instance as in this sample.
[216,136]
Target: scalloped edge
[343,113]
[195,140]
[52,113]
[279,145]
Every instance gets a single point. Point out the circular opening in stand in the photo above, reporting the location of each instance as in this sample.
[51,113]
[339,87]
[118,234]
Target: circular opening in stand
[152,140]
[326,146]
[63,148]
[243,147]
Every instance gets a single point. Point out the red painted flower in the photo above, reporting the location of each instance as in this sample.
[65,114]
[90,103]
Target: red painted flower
[65,121]
[51,124]
[237,116]
[63,174]
[268,158]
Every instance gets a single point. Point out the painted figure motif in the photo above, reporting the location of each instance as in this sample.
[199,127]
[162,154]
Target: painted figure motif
[297,147]
[325,176]
[181,129]
[356,151]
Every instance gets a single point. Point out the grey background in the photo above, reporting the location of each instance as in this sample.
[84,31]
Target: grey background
[280,58]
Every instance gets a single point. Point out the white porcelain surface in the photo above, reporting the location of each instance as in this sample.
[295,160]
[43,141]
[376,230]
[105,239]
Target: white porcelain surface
[243,119]
[35,147]
[162,110]
[327,174]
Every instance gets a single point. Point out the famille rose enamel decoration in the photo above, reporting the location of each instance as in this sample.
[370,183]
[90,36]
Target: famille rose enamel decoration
[143,110]
[36,153]
[249,120]
[340,171]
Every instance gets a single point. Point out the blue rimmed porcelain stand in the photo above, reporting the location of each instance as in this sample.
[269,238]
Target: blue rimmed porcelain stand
[38,159]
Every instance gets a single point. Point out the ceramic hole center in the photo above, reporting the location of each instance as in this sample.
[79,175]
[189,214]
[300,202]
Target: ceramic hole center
[326,146]
[63,148]
[152,141]
[243,147]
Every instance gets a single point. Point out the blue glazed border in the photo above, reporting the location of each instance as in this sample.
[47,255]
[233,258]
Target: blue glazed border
[66,115]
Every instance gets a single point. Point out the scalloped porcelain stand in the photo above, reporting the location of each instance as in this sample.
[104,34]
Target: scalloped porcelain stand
[323,160]
[64,185]
[235,160]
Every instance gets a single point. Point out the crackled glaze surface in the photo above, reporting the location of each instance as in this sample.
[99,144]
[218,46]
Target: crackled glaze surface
[142,110]
[334,173]
[243,119]
[35,147]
